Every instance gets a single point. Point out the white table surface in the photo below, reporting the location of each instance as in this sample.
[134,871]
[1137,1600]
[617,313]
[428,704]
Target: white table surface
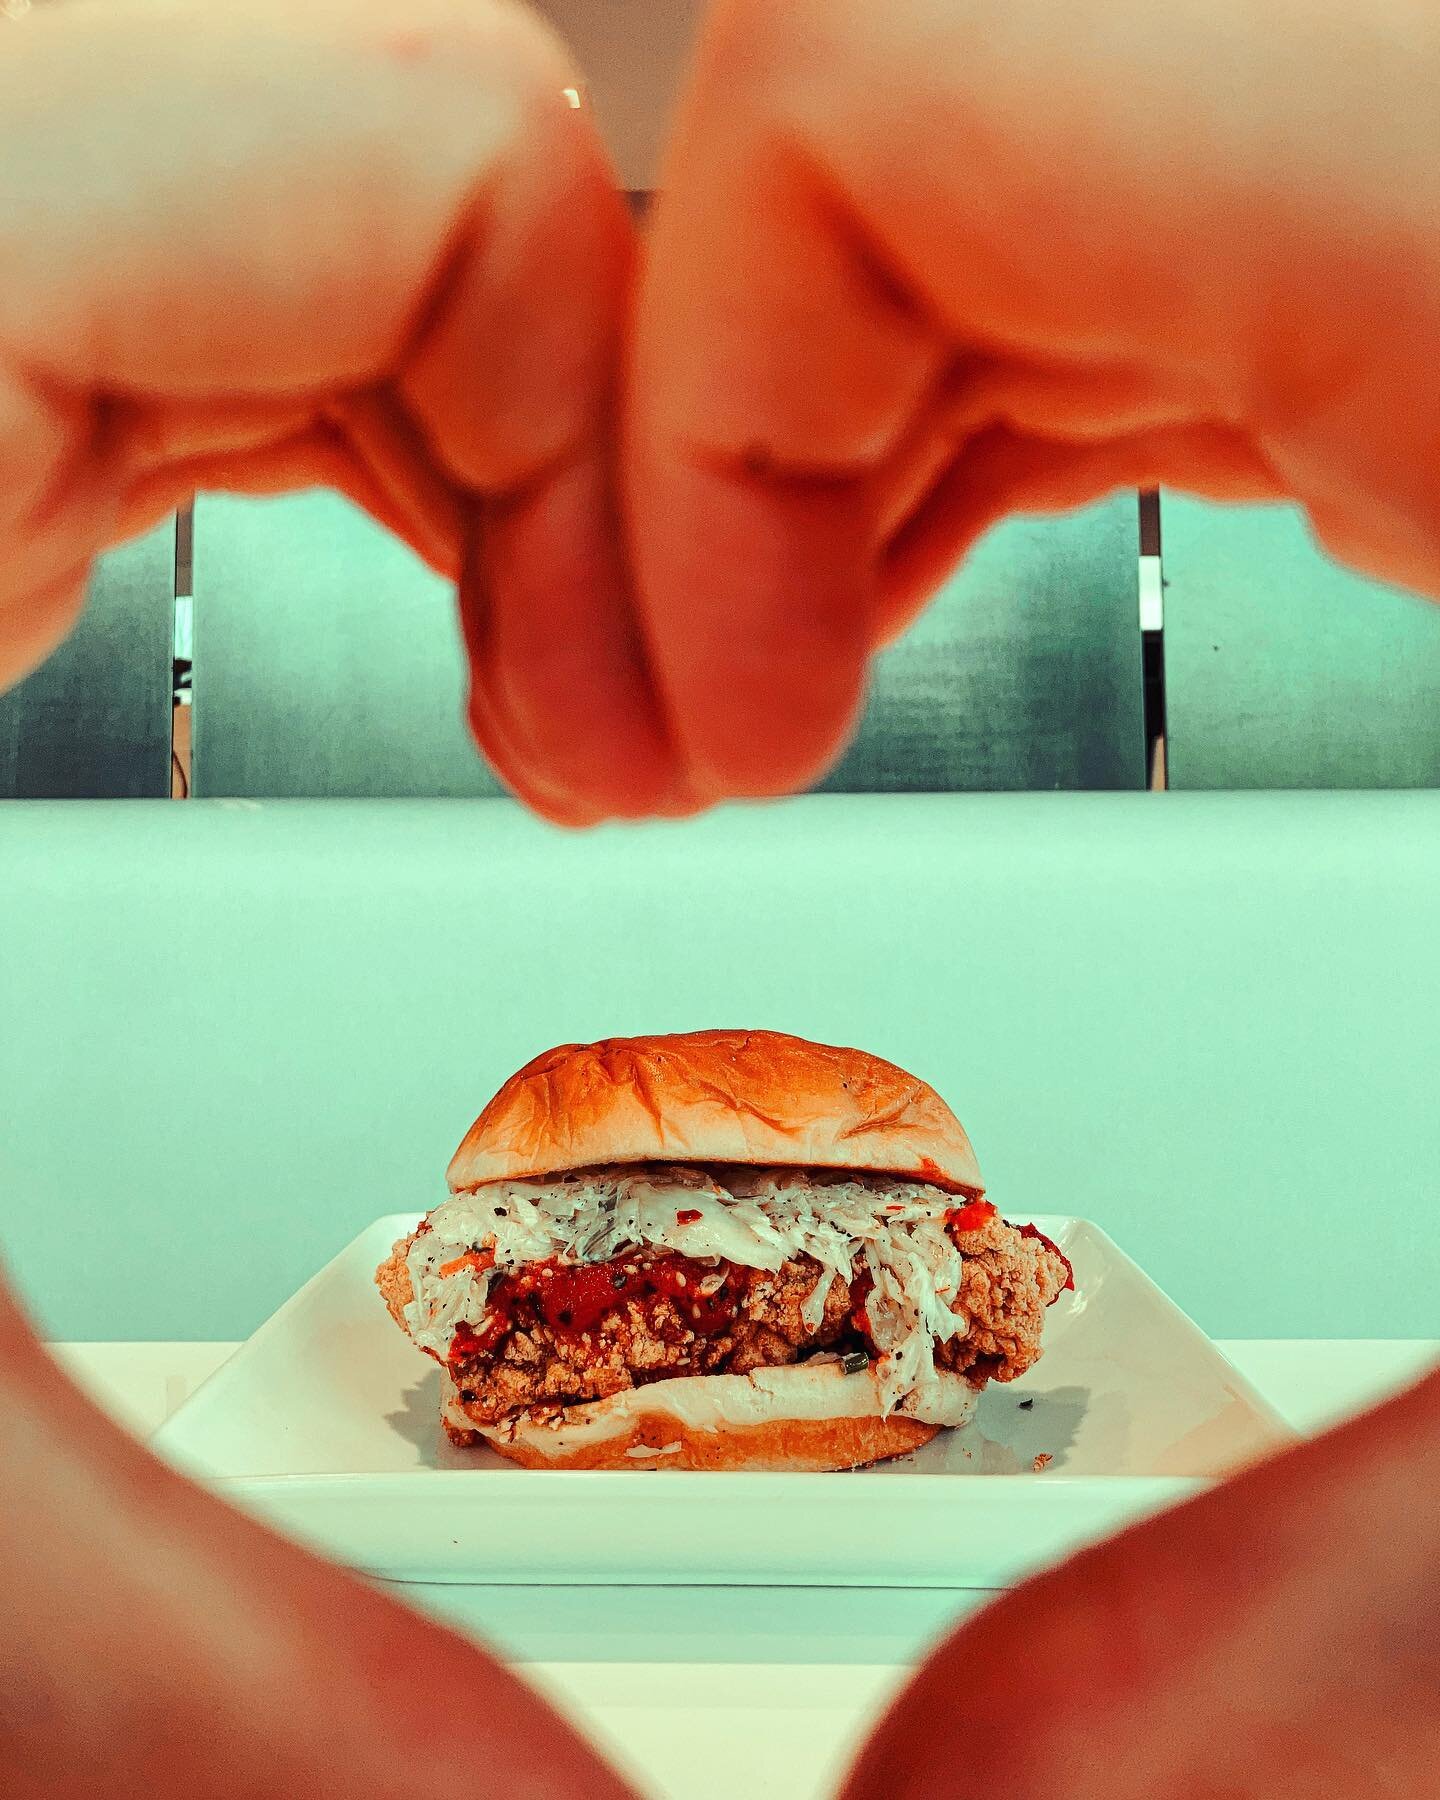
[704,1693]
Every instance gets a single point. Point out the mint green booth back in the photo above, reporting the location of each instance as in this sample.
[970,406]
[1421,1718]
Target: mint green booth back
[234,1033]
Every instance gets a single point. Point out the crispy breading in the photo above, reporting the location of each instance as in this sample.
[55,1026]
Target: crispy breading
[393,1280]
[1007,1282]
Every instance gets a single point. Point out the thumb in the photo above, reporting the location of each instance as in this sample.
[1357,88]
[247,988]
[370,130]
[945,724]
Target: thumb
[264,247]
[154,1643]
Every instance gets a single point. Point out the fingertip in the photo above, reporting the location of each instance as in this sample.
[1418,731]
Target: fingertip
[557,652]
[494,742]
[684,803]
[799,750]
[758,595]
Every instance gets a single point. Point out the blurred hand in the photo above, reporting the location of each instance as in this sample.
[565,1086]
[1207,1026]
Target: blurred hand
[154,1644]
[264,246]
[918,265]
[915,267]
[1277,1639]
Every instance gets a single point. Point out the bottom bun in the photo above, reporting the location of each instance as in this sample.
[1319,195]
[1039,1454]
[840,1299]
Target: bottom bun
[806,1417]
[656,1441]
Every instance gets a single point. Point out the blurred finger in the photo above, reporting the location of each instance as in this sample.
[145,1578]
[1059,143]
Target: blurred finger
[563,659]
[396,230]
[1002,470]
[155,1643]
[1276,1639]
[885,234]
[485,708]
[778,362]
[320,455]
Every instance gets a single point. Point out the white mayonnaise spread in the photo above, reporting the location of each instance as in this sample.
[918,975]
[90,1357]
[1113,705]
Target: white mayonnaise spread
[761,1218]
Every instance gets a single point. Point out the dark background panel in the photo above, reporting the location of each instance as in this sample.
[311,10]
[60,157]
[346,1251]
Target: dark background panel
[328,660]
[1285,670]
[1024,672]
[93,722]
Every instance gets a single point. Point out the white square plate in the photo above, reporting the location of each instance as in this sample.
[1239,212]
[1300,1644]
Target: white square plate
[326,1423]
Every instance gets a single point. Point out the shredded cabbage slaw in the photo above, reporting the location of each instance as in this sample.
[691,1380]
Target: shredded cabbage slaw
[760,1218]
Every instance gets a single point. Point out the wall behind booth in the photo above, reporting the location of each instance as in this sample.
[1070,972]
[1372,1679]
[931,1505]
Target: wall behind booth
[234,1033]
[329,664]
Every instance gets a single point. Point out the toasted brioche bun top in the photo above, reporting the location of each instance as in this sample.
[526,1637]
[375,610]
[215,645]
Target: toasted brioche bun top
[715,1097]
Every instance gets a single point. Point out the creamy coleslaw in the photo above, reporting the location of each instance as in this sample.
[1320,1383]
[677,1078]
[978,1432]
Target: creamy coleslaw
[760,1218]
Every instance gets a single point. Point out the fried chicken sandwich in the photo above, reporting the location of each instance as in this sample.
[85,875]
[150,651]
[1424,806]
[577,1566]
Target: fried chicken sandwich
[717,1250]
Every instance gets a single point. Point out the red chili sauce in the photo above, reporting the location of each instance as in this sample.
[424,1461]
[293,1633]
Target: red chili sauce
[974,1215]
[977,1213]
[861,1289]
[573,1298]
